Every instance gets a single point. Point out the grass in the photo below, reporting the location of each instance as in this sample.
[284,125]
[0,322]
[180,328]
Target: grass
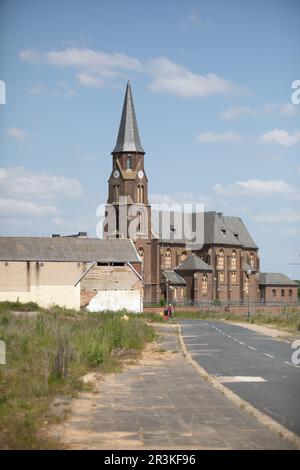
[47,354]
[288,319]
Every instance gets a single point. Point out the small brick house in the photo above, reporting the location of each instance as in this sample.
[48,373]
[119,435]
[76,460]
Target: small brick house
[276,288]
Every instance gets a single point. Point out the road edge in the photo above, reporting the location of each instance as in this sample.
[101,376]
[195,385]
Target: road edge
[264,419]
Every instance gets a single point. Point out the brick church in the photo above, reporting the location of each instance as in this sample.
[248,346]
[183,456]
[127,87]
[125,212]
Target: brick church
[225,268]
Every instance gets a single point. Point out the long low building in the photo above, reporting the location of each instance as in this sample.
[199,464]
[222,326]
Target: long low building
[99,274]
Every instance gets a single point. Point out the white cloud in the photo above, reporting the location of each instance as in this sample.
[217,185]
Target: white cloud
[280,137]
[287,217]
[258,187]
[14,207]
[177,80]
[16,133]
[236,112]
[211,137]
[285,109]
[30,55]
[87,79]
[95,68]
[22,183]
[38,90]
[3,173]
[89,58]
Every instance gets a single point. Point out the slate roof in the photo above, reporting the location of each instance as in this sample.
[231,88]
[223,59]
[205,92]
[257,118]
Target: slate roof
[128,137]
[67,249]
[215,228]
[275,279]
[173,278]
[193,263]
[236,226]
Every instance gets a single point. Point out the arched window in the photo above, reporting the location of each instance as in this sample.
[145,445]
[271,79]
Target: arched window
[128,162]
[221,259]
[222,276]
[204,284]
[233,260]
[233,277]
[140,194]
[168,259]
[141,253]
[252,260]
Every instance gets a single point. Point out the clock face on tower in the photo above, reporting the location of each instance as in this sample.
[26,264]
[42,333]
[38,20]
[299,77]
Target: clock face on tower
[140,174]
[116,173]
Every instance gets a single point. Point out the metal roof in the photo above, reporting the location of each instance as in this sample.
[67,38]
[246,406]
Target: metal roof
[275,279]
[128,137]
[193,263]
[173,278]
[67,249]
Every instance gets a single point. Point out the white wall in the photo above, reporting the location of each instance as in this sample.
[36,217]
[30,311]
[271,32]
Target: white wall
[115,300]
[46,296]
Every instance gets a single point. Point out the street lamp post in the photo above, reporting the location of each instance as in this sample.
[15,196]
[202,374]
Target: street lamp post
[248,274]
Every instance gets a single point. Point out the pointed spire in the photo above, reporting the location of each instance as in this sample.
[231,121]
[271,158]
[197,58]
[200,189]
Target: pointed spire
[128,136]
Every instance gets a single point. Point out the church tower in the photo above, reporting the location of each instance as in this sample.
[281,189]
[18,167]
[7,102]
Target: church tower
[128,183]
[128,197]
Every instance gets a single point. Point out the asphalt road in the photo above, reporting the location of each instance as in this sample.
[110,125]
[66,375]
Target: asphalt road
[256,367]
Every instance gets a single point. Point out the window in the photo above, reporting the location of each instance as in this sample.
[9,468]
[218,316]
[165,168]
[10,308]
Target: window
[233,277]
[204,284]
[168,259]
[142,254]
[222,276]
[290,292]
[128,162]
[220,259]
[140,194]
[117,192]
[233,260]
[273,292]
[282,293]
[183,256]
[246,289]
[252,260]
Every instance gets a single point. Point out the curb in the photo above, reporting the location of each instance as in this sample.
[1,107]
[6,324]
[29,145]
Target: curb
[264,419]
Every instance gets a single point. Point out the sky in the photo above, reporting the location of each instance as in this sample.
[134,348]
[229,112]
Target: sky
[212,86]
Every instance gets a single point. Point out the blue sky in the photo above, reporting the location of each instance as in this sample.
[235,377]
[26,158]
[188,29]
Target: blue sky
[212,89]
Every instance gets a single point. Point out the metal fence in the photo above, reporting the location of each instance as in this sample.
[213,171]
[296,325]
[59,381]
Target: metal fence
[220,303]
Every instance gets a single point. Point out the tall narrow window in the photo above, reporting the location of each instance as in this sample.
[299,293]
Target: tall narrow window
[233,260]
[142,254]
[117,192]
[252,260]
[233,277]
[204,284]
[168,259]
[142,194]
[273,292]
[221,259]
[222,276]
[138,193]
[128,162]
